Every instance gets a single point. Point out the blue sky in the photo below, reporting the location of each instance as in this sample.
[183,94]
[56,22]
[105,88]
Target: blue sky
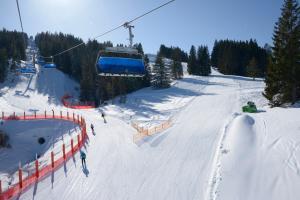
[182,23]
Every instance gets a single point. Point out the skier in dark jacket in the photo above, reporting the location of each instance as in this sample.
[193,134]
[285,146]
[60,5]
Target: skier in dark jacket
[103,116]
[83,157]
[92,127]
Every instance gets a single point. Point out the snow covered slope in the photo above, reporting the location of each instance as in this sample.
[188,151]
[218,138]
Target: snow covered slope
[212,151]
[260,157]
[172,165]
[23,139]
[149,107]
[35,92]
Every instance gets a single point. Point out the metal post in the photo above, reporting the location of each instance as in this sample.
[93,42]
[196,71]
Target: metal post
[78,140]
[20,176]
[131,36]
[36,167]
[52,159]
[64,151]
[33,61]
[72,146]
[82,135]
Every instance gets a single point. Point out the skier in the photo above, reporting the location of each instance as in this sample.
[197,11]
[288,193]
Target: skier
[83,157]
[103,116]
[92,127]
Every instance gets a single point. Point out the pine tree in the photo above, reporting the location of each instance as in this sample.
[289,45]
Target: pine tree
[147,78]
[192,61]
[252,69]
[176,65]
[161,76]
[273,84]
[283,79]
[203,61]
[87,83]
[3,64]
[139,47]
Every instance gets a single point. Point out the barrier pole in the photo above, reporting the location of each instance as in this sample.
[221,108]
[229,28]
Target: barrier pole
[78,140]
[68,115]
[82,135]
[60,114]
[36,167]
[52,159]
[0,187]
[73,117]
[52,113]
[64,151]
[14,114]
[24,115]
[45,114]
[34,114]
[72,146]
[20,176]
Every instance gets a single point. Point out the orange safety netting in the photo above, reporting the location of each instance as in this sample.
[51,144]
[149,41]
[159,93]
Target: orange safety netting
[143,132]
[55,162]
[66,103]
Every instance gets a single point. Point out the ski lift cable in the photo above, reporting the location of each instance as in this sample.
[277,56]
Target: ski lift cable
[111,30]
[20,18]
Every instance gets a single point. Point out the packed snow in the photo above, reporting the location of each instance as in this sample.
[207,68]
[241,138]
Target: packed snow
[212,151]
[24,146]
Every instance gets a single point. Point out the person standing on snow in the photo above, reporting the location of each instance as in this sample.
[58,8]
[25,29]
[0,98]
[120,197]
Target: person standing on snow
[103,116]
[92,127]
[83,157]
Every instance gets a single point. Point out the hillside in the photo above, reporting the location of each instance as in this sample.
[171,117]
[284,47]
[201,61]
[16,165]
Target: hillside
[212,151]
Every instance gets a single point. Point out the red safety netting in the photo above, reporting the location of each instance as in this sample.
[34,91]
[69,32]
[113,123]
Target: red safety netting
[55,162]
[85,105]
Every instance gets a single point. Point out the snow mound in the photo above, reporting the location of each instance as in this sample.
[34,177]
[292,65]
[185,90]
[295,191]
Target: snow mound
[240,136]
[239,149]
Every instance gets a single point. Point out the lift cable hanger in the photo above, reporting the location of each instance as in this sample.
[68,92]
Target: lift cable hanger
[126,25]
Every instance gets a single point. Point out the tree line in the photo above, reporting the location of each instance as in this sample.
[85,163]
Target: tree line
[242,58]
[11,47]
[168,52]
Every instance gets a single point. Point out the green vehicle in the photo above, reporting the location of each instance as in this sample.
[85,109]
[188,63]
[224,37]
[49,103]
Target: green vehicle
[250,107]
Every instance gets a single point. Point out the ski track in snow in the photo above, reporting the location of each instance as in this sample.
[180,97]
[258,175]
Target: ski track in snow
[216,176]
